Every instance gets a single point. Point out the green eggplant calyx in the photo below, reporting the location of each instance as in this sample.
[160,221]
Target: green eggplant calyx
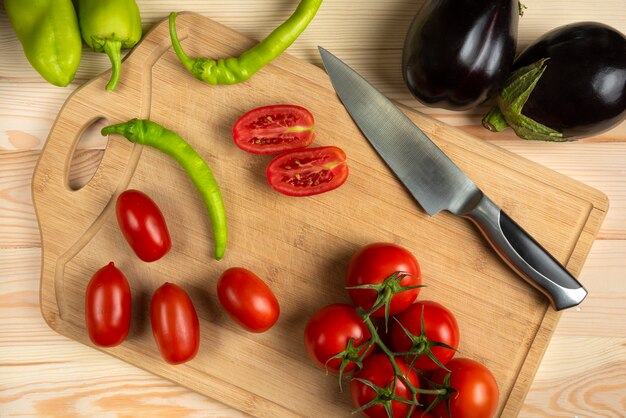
[113,50]
[494,120]
[521,7]
[511,100]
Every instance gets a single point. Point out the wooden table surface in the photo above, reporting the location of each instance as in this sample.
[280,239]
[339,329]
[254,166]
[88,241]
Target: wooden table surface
[583,373]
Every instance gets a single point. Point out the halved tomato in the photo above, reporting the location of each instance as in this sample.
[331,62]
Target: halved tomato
[274,129]
[308,171]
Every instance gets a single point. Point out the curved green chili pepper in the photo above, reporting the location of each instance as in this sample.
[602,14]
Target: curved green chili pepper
[48,31]
[108,26]
[146,132]
[235,70]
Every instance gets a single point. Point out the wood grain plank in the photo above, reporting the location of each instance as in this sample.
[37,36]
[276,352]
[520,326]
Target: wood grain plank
[587,380]
[18,223]
[602,313]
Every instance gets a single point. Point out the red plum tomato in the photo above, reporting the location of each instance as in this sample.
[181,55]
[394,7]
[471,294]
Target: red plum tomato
[308,171]
[378,370]
[143,225]
[174,324]
[247,299]
[374,263]
[440,326]
[476,389]
[108,307]
[274,129]
[327,334]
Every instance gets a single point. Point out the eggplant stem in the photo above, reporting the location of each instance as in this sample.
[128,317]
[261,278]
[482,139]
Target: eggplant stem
[495,120]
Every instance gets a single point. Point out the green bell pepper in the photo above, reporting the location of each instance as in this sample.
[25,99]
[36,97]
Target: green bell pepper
[48,31]
[108,26]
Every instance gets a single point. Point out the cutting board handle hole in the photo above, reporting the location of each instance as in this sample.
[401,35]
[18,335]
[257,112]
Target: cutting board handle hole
[87,154]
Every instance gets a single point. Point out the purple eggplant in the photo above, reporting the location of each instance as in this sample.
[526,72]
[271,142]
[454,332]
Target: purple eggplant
[568,84]
[457,53]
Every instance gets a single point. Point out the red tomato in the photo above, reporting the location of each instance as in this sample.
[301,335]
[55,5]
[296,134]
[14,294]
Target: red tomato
[274,129]
[143,225]
[327,334]
[372,265]
[108,307]
[440,327]
[308,171]
[419,413]
[247,299]
[378,370]
[476,393]
[174,324]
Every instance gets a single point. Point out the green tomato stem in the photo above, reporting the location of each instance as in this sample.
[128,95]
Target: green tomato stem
[375,338]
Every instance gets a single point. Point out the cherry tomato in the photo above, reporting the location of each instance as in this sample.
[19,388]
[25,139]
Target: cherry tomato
[327,334]
[274,129]
[247,299]
[374,263]
[476,393]
[142,225]
[308,171]
[440,326]
[378,370]
[174,324]
[108,307]
[419,413]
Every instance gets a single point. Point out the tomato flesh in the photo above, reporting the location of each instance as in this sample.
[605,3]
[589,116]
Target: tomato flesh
[327,334]
[174,324]
[274,129]
[108,307]
[143,225]
[247,299]
[309,171]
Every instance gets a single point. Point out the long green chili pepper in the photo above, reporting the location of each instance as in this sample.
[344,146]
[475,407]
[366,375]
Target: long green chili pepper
[237,69]
[146,132]
[108,26]
[48,31]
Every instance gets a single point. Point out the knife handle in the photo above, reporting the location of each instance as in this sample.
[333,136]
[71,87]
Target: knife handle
[526,256]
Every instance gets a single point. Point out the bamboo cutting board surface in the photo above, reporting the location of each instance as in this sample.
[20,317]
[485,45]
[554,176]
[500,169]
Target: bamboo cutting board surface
[300,246]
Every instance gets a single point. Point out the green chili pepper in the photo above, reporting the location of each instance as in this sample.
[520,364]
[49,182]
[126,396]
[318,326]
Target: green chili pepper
[235,70]
[48,31]
[108,26]
[152,134]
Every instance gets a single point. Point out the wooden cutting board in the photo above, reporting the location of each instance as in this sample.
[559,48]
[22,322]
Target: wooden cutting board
[300,246]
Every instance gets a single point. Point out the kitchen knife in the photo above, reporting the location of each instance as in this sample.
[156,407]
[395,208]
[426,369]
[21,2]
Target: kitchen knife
[438,184]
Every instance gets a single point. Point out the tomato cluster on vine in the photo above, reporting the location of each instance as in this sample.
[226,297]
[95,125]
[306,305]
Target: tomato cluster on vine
[398,351]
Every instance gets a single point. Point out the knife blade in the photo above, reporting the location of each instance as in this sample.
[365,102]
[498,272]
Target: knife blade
[438,184]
